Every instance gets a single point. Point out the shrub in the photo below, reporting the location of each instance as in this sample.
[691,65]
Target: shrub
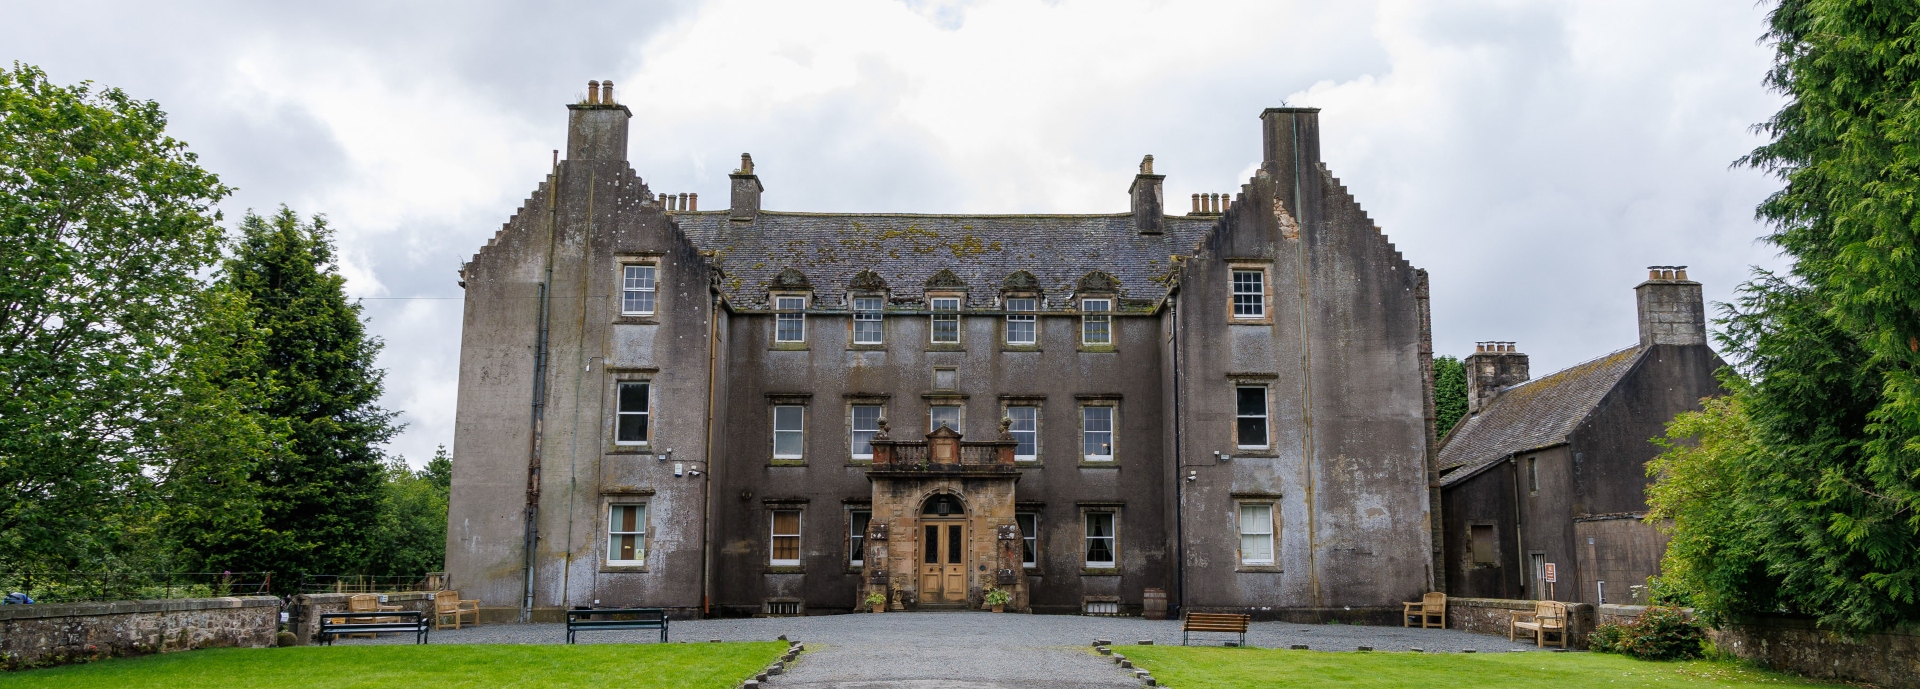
[1657,634]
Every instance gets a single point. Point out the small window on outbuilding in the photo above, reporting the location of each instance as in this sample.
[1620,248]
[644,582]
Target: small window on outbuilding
[1482,544]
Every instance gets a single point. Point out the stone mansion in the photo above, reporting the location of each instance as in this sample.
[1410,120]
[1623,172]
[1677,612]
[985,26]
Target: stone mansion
[743,411]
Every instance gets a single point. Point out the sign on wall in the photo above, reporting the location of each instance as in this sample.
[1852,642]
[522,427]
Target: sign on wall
[1553,574]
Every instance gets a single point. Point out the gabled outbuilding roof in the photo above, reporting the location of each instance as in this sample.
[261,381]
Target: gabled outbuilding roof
[1532,415]
[906,250]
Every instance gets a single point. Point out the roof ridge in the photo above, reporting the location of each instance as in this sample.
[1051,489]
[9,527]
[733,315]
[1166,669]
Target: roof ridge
[823,214]
[1573,367]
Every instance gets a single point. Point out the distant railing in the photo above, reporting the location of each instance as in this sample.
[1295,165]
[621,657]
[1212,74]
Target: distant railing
[78,587]
[358,583]
[980,454]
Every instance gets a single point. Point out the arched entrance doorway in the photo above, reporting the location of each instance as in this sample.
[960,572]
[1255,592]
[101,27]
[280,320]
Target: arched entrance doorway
[943,550]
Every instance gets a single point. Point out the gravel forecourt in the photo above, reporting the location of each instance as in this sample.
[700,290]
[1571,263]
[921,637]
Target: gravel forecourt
[973,650]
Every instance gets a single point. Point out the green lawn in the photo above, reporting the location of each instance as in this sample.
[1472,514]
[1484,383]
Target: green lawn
[595,665]
[1214,667]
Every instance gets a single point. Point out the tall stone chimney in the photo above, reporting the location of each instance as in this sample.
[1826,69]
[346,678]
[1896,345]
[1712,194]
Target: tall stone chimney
[1672,310]
[1493,367]
[746,192]
[597,126]
[1290,154]
[1149,209]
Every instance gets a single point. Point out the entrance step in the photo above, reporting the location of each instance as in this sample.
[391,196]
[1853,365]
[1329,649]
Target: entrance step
[936,607]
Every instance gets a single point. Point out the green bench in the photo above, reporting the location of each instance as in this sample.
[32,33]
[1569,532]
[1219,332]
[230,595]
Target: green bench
[617,618]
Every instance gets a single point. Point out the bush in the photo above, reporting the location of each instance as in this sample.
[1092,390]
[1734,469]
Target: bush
[1657,634]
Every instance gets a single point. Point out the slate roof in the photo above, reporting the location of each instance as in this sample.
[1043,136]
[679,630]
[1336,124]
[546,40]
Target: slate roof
[907,249]
[1531,415]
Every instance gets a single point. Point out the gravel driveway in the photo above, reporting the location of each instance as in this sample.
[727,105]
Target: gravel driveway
[973,650]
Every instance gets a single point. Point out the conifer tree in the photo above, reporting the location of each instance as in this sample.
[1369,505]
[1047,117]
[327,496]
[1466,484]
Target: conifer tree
[320,498]
[1449,393]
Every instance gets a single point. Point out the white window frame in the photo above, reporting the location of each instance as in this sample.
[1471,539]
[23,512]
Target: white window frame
[774,536]
[854,430]
[959,416]
[1258,530]
[1016,430]
[869,310]
[1112,539]
[1030,538]
[1022,315]
[789,310]
[945,310]
[1265,417]
[621,413]
[857,538]
[639,282]
[1092,316]
[799,433]
[614,533]
[1086,434]
[1257,309]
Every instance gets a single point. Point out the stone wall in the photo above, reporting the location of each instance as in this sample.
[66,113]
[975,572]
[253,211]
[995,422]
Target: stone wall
[55,634]
[1794,644]
[1492,615]
[303,618]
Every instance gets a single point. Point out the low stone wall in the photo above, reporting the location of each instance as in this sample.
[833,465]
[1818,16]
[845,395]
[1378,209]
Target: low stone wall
[1793,644]
[1492,616]
[304,617]
[39,635]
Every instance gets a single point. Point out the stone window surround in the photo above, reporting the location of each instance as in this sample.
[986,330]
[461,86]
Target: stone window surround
[960,318]
[1039,307]
[1093,507]
[1272,501]
[607,502]
[1113,305]
[620,261]
[1265,267]
[787,399]
[1085,400]
[847,508]
[1038,402]
[616,376]
[941,399]
[1032,568]
[1473,557]
[1240,379]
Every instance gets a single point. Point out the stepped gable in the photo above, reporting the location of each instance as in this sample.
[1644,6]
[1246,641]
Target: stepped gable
[905,250]
[1532,415]
[1344,209]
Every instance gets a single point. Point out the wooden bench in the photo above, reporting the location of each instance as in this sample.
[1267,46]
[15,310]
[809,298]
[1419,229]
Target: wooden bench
[609,618]
[1547,617]
[1225,623]
[1429,611]
[448,604]
[334,624]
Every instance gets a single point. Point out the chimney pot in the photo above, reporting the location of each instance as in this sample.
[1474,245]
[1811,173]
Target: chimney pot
[1672,309]
[693,202]
[1196,203]
[593,92]
[1147,200]
[682,205]
[1146,165]
[606,92]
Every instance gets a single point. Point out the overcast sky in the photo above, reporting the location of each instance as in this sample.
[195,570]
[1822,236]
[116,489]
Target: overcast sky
[1533,156]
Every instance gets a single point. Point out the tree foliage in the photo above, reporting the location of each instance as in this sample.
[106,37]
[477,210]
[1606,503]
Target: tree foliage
[1806,492]
[105,225]
[411,537]
[1449,392]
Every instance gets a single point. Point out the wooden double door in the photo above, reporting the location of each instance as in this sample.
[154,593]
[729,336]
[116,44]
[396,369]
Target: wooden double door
[943,560]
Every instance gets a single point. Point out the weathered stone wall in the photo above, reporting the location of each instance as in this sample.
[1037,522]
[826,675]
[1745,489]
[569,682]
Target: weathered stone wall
[56,634]
[1492,616]
[1794,644]
[303,617]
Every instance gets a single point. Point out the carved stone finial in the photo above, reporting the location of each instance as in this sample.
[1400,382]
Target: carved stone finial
[882,434]
[1006,428]
[1146,165]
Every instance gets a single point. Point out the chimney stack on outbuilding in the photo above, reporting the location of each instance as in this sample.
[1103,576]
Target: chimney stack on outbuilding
[1149,208]
[746,192]
[1672,309]
[597,126]
[1493,367]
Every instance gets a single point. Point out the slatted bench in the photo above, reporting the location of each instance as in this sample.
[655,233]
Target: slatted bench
[1225,623]
[333,624]
[610,618]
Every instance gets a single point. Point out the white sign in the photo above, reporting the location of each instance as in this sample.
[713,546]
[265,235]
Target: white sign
[1553,575]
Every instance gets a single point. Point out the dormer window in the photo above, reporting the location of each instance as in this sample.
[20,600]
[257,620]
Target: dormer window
[1096,321]
[1022,324]
[867,326]
[946,319]
[790,321]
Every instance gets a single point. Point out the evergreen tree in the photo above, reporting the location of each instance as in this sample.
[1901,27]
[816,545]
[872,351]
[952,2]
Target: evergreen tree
[106,224]
[1449,392]
[320,499]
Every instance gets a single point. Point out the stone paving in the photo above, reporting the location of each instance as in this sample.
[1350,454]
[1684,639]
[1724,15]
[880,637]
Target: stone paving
[974,650]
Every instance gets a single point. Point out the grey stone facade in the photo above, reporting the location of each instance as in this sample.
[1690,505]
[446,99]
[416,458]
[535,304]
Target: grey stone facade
[1553,470]
[769,341]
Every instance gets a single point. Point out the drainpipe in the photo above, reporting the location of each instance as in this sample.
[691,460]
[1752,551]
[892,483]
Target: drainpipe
[539,400]
[1179,463]
[706,507]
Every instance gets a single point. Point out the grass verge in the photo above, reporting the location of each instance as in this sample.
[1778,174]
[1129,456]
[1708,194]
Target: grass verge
[1220,668]
[594,665]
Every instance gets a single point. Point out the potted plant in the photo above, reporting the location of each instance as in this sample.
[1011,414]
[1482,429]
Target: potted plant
[877,600]
[998,599]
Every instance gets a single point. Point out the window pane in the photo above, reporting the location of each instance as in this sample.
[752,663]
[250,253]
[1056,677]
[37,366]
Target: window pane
[1249,294]
[790,327]
[1253,401]
[866,320]
[1256,534]
[1097,425]
[633,397]
[1021,327]
[626,532]
[1025,429]
[1096,326]
[1251,407]
[1100,538]
[1030,537]
[866,421]
[631,422]
[637,289]
[943,416]
[931,548]
[946,326]
[786,536]
[857,521]
[788,431]
[1252,431]
[792,303]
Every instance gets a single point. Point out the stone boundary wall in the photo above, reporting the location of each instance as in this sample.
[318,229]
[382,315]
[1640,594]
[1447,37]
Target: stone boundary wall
[1795,644]
[43,634]
[1491,616]
[304,617]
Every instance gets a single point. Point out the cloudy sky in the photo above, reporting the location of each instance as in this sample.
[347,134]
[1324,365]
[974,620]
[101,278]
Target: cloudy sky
[1533,156]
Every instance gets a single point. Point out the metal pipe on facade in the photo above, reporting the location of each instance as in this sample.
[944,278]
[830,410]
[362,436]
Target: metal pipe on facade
[706,507]
[539,400]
